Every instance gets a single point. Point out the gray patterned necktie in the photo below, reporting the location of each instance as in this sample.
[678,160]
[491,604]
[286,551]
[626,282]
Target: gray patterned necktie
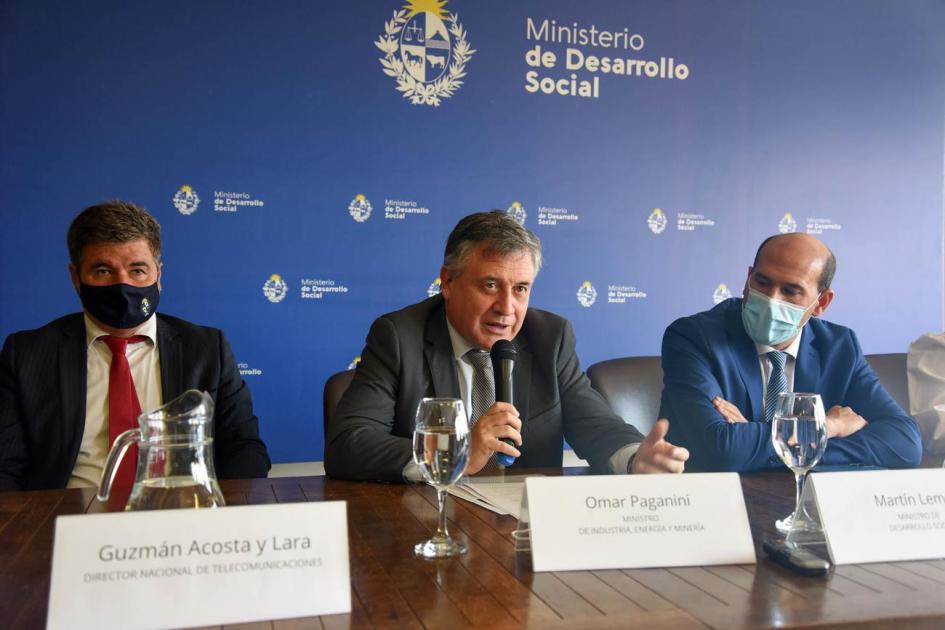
[483,393]
[777,383]
[483,384]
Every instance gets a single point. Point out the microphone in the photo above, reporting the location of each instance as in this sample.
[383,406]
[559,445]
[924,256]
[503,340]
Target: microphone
[503,356]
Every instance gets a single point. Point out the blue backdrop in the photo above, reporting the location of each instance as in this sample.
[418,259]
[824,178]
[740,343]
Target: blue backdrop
[302,193]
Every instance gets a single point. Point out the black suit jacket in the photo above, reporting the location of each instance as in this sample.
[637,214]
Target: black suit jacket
[43,392]
[409,356]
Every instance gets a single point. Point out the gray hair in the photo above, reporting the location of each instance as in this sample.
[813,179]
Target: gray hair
[498,231]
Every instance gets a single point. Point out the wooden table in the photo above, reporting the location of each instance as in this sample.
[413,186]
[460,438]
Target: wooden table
[493,586]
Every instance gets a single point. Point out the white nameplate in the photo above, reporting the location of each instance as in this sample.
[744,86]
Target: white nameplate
[882,515]
[177,568]
[636,521]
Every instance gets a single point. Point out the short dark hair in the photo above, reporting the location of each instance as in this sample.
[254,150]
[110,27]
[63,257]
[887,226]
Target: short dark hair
[826,276]
[497,230]
[112,221]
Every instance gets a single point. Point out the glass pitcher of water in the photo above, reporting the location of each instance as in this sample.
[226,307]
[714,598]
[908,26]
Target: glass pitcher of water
[175,457]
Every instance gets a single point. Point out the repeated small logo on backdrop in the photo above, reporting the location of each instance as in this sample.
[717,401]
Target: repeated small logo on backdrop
[819,225]
[360,208]
[553,216]
[425,51]
[186,200]
[246,370]
[275,289]
[657,221]
[400,209]
[690,222]
[518,212]
[434,288]
[721,293]
[318,288]
[232,201]
[586,294]
[624,293]
[787,224]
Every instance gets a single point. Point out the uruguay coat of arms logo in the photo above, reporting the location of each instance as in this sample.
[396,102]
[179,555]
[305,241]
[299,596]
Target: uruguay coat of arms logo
[186,200]
[425,50]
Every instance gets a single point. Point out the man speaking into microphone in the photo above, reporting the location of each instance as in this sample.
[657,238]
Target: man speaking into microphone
[441,347]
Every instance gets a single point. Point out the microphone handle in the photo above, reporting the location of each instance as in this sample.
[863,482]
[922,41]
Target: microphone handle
[503,393]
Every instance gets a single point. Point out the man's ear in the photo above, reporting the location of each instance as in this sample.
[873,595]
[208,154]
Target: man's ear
[747,279]
[74,274]
[446,279]
[822,303]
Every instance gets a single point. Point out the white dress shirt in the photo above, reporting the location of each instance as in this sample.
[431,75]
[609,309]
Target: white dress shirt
[145,363]
[464,369]
[926,370]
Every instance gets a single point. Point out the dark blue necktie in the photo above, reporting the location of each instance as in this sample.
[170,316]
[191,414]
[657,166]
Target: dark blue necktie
[777,383]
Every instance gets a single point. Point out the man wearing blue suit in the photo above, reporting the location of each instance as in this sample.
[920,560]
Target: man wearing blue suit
[723,368]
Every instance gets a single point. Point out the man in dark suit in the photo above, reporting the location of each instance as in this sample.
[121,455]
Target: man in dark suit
[55,381]
[428,349]
[723,369]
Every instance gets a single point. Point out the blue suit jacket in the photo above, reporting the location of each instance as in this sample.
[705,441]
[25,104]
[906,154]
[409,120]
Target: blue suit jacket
[710,354]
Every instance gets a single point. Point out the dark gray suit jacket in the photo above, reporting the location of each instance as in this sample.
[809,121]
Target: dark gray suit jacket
[409,356]
[43,391]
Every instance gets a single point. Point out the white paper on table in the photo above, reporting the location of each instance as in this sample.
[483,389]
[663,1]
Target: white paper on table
[502,495]
[502,498]
[463,492]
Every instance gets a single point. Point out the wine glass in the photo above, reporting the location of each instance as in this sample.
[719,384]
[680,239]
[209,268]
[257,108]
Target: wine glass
[441,450]
[799,435]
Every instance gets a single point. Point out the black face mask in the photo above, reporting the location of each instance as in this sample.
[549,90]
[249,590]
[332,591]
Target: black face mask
[120,305]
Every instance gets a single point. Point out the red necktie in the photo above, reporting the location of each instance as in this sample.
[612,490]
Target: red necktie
[123,405]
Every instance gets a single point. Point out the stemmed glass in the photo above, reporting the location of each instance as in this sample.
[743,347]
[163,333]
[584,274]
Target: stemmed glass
[441,449]
[799,435]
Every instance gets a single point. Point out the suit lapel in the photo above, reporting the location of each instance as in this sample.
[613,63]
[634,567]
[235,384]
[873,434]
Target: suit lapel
[745,358]
[522,377]
[72,386]
[171,356]
[807,366]
[438,352]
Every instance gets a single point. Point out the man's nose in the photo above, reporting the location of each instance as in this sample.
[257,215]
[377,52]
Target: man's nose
[503,303]
[122,277]
[777,294]
[771,292]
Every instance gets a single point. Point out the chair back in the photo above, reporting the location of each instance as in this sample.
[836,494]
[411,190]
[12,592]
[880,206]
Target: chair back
[891,370]
[336,385]
[632,386]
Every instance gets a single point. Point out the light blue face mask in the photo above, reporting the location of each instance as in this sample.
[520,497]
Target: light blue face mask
[770,322]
